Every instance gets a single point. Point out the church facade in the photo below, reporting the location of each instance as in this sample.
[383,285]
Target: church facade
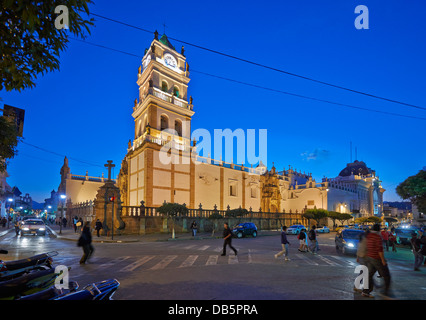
[162,116]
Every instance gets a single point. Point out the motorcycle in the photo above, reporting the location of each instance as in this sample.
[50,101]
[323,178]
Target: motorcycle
[28,283]
[16,268]
[51,293]
[102,290]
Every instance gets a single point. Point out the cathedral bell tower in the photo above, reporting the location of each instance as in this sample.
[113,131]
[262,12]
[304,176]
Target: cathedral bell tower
[162,115]
[163,107]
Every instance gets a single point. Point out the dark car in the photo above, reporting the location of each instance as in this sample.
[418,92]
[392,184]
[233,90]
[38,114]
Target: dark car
[347,240]
[245,229]
[403,235]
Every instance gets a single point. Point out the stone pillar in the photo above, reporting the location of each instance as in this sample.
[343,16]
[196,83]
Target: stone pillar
[103,208]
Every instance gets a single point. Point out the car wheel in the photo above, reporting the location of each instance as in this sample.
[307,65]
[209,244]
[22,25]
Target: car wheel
[239,235]
[254,234]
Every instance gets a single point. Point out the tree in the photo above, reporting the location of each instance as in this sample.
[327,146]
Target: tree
[345,217]
[215,217]
[315,214]
[414,189]
[236,213]
[374,219]
[8,142]
[31,39]
[333,215]
[173,211]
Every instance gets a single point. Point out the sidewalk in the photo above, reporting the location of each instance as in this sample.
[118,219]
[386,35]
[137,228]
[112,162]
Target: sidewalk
[69,234]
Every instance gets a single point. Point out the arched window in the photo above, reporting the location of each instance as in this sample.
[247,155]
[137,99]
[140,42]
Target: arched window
[164,86]
[176,92]
[164,122]
[178,127]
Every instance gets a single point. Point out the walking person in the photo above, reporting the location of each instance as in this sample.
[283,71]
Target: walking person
[360,256]
[302,241]
[227,237]
[313,240]
[85,241]
[376,261]
[194,228]
[392,239]
[385,238]
[419,248]
[284,244]
[74,222]
[98,227]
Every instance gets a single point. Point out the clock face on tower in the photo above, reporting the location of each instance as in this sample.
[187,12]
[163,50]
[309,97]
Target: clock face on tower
[170,61]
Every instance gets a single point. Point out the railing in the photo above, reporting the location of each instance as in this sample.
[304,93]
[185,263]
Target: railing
[142,211]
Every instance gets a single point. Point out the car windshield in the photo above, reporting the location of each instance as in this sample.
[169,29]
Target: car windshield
[33,222]
[296,226]
[351,234]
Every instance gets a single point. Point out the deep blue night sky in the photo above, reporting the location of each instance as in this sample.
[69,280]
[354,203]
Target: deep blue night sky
[84,110]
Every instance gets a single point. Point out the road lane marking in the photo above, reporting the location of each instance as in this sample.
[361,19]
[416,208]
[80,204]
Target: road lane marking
[164,263]
[232,259]
[331,263]
[188,262]
[203,248]
[136,264]
[352,264]
[307,260]
[112,262]
[249,256]
[212,260]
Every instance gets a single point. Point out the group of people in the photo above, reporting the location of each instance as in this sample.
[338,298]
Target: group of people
[308,241]
[389,239]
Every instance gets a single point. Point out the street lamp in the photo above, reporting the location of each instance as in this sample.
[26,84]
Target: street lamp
[8,213]
[63,197]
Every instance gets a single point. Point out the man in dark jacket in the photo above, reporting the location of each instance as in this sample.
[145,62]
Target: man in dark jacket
[85,241]
[227,237]
[98,226]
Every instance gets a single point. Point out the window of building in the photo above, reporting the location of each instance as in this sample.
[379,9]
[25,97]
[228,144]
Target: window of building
[176,92]
[164,86]
[233,189]
[178,127]
[311,202]
[164,123]
[253,192]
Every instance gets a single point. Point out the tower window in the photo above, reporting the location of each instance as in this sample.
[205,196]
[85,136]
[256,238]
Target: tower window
[164,86]
[178,128]
[164,122]
[176,92]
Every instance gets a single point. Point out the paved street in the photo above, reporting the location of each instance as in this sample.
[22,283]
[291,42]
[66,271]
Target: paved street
[155,268]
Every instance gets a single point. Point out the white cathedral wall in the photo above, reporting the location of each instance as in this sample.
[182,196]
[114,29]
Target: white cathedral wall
[207,185]
[82,190]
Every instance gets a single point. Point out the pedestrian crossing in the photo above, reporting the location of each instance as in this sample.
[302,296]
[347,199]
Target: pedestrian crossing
[208,256]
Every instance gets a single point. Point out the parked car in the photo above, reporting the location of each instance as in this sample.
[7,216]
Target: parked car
[245,229]
[347,240]
[295,229]
[33,226]
[324,229]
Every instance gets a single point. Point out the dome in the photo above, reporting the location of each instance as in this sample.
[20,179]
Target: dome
[355,168]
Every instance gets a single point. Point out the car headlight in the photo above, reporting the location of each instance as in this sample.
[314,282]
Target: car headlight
[350,245]
[25,229]
[42,229]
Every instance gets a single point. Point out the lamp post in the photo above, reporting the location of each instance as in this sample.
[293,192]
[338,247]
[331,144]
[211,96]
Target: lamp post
[63,197]
[10,200]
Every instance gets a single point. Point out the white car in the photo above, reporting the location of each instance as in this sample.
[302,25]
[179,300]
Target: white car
[323,230]
[295,229]
[33,227]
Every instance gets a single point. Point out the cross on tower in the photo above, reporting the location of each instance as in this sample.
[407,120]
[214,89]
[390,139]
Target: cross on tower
[164,26]
[109,165]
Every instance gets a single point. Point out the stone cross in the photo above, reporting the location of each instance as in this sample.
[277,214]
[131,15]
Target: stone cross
[109,165]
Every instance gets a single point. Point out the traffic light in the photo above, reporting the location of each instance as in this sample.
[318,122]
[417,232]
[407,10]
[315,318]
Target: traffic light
[111,199]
